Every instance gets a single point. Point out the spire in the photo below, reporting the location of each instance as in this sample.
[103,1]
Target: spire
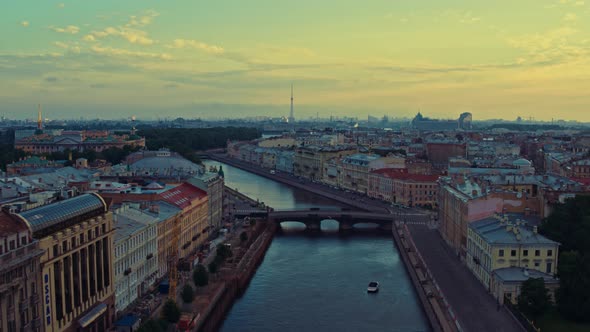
[39,118]
[291,115]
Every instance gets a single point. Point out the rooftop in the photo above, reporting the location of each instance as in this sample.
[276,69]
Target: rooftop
[52,215]
[508,229]
[182,195]
[517,274]
[129,220]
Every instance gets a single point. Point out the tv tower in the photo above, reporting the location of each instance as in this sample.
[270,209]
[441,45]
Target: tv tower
[291,116]
[39,118]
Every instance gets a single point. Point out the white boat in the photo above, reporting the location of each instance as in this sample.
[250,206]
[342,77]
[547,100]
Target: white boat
[373,287]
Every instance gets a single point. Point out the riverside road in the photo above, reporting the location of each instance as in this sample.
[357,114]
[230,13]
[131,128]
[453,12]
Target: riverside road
[475,308]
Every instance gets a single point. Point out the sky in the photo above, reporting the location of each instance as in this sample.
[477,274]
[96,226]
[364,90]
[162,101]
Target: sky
[235,58]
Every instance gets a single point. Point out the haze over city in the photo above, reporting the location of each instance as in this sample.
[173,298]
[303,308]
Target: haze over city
[112,59]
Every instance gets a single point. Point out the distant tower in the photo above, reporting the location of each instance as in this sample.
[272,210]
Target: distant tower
[291,116]
[39,118]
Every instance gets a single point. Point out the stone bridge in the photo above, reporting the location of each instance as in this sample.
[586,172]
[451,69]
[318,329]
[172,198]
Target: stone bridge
[312,218]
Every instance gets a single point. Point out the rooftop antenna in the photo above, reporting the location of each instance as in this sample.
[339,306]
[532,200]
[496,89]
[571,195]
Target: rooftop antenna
[291,115]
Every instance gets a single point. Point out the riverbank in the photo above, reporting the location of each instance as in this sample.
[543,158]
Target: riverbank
[439,315]
[234,278]
[293,182]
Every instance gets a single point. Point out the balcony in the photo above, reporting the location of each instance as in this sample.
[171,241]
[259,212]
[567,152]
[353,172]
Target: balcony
[36,323]
[35,298]
[23,305]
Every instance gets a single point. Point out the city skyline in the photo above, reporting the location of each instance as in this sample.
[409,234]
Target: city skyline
[190,59]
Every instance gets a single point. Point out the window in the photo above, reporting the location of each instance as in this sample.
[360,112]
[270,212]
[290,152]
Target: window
[501,253]
[12,245]
[55,251]
[525,252]
[549,253]
[23,240]
[537,252]
[548,268]
[537,264]
[513,253]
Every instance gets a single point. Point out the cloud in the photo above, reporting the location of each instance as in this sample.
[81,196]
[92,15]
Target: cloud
[189,43]
[569,17]
[25,24]
[89,38]
[71,29]
[51,79]
[98,86]
[110,51]
[133,36]
[146,18]
[61,5]
[171,85]
[61,44]
[553,46]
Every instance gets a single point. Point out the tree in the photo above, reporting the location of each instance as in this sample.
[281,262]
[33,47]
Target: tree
[244,236]
[171,312]
[534,297]
[187,294]
[569,224]
[200,276]
[223,251]
[213,267]
[153,325]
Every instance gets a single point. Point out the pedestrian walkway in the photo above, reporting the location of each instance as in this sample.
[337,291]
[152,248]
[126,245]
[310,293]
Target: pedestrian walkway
[474,307]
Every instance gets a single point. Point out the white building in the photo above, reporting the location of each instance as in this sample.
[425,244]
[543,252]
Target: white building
[136,253]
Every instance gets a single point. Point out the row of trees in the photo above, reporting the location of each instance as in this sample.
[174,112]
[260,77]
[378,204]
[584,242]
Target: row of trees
[188,140]
[569,224]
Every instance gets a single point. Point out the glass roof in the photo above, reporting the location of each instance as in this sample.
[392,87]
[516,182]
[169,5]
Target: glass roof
[53,214]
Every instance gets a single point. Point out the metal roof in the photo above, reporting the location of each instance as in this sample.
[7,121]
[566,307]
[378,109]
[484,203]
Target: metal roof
[53,214]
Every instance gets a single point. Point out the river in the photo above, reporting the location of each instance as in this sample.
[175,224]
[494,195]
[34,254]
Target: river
[318,282]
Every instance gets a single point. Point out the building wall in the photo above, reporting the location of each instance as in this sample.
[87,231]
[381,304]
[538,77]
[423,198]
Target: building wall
[20,283]
[135,266]
[165,244]
[77,274]
[194,220]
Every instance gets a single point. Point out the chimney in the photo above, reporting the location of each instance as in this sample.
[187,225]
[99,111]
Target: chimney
[155,208]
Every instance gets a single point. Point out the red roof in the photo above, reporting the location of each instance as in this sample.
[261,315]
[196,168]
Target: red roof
[402,174]
[183,195]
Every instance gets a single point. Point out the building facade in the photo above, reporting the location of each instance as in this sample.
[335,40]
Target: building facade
[76,236]
[76,140]
[136,254]
[504,241]
[20,277]
[194,204]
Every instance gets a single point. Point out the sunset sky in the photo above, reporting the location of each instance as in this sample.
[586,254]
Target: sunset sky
[236,58]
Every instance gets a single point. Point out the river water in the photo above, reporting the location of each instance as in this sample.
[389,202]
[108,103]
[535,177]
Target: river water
[319,282]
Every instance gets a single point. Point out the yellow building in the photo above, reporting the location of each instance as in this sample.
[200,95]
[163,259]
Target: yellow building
[308,161]
[506,242]
[194,216]
[77,265]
